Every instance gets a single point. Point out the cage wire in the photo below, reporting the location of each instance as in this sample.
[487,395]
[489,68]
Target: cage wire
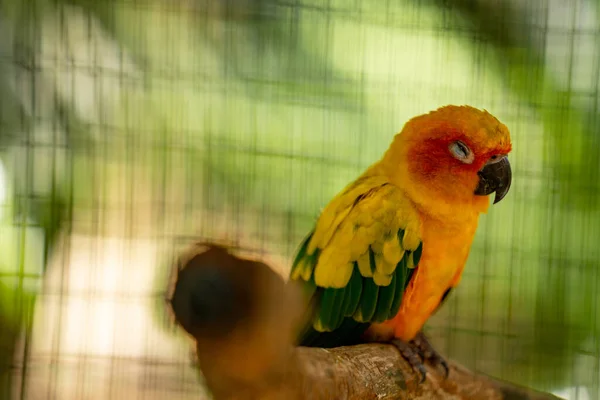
[130,129]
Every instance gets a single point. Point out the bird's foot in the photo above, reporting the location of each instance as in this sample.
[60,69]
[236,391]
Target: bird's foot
[428,353]
[411,354]
[418,351]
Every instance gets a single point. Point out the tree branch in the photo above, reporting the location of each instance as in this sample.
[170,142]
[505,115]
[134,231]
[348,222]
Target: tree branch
[243,317]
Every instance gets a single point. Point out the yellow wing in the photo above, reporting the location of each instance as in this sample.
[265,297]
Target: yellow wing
[361,253]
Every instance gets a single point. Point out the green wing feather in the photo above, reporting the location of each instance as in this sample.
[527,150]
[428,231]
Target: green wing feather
[384,301]
[359,258]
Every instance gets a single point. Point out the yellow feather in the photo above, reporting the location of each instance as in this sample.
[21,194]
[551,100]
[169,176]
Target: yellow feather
[318,325]
[336,223]
[364,265]
[337,253]
[392,250]
[358,315]
[381,279]
[307,270]
[383,266]
[329,222]
[296,273]
[345,234]
[411,240]
[359,244]
[377,245]
[303,270]
[333,275]
[343,275]
[410,262]
[340,207]
[387,267]
[364,219]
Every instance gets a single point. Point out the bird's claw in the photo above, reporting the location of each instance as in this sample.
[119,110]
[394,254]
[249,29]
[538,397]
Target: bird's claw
[444,365]
[428,353]
[419,350]
[411,354]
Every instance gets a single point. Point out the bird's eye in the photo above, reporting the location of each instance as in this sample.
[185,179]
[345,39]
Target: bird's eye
[461,152]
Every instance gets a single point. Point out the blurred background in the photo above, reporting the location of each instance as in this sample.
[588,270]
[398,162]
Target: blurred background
[132,128]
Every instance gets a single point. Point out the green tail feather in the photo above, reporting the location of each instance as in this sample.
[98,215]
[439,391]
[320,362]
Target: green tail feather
[356,286]
[301,254]
[384,301]
[336,315]
[345,304]
[368,301]
[400,276]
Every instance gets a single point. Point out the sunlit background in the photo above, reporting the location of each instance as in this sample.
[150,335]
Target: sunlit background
[131,128]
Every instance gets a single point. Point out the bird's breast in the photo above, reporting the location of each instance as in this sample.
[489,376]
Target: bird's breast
[445,252]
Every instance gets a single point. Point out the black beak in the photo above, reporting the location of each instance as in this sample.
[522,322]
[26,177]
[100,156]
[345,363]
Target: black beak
[495,177]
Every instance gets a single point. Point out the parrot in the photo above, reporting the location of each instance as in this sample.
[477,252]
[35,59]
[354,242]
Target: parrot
[387,250]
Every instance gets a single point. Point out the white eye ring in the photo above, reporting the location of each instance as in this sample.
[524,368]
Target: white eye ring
[461,152]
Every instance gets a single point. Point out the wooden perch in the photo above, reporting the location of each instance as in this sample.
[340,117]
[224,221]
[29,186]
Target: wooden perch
[243,317]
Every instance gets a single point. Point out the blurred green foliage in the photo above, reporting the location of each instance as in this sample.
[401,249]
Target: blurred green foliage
[270,108]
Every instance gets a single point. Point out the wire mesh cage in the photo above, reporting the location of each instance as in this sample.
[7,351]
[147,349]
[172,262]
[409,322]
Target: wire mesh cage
[130,129]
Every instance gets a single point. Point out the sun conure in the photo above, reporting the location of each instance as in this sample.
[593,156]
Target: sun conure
[388,248]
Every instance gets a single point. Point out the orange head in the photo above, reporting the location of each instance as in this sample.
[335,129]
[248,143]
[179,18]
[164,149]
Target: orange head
[451,159]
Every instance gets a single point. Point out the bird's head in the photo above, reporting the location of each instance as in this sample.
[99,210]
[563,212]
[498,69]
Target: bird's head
[452,157]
